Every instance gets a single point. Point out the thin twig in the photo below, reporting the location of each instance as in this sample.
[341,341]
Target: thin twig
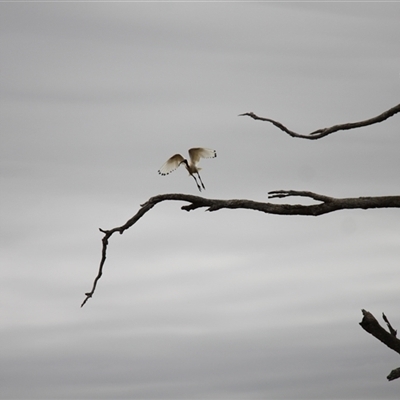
[390,327]
[320,133]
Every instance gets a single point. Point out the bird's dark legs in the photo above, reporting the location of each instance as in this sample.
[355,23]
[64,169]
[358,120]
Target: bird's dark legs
[202,184]
[197,183]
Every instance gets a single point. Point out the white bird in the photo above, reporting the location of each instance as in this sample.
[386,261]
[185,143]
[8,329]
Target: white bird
[195,155]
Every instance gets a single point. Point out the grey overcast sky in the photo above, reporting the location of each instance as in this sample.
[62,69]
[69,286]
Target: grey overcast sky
[225,305]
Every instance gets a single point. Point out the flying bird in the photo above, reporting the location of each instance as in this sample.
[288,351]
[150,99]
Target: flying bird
[195,155]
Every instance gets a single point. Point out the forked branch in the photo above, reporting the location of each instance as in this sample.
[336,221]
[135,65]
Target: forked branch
[372,326]
[325,205]
[320,133]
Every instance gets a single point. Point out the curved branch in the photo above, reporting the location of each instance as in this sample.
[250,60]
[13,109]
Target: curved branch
[326,205]
[319,133]
[372,326]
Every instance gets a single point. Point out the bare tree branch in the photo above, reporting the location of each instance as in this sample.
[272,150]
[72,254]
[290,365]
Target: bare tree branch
[326,205]
[394,374]
[320,133]
[372,326]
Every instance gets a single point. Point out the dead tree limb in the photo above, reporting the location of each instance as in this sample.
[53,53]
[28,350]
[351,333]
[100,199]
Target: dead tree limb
[325,205]
[320,133]
[372,326]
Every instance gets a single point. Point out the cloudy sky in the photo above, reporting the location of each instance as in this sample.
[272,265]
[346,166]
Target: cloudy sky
[225,305]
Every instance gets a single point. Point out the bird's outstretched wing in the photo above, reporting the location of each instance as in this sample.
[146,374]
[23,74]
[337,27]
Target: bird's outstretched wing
[171,164]
[201,152]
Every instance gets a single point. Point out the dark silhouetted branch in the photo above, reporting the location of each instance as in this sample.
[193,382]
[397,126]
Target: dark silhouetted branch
[394,374]
[390,327]
[320,133]
[326,205]
[372,326]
